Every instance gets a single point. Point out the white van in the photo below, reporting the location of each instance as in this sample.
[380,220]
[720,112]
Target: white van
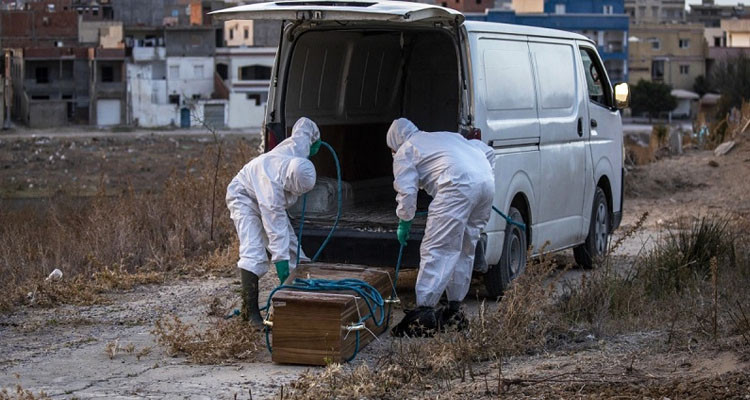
[540,97]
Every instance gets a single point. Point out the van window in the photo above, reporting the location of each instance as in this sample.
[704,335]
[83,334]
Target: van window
[555,64]
[508,80]
[596,80]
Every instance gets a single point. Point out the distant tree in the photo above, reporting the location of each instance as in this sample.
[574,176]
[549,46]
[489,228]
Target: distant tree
[702,85]
[652,98]
[731,78]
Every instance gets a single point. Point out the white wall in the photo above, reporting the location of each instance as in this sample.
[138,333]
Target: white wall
[243,113]
[188,76]
[148,99]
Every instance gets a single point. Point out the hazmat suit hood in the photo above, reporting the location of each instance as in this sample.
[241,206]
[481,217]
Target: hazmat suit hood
[299,177]
[399,132]
[304,133]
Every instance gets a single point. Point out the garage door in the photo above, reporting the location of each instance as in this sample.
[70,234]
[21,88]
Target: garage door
[108,112]
[214,114]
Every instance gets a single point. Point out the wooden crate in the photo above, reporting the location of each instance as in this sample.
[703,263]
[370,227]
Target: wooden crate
[309,327]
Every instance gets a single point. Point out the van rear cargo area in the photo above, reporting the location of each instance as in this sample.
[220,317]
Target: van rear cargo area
[353,84]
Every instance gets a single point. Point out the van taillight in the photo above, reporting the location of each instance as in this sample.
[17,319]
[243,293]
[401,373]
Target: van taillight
[271,141]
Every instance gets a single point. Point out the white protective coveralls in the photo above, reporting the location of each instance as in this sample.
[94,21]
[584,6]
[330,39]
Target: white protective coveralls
[261,192]
[457,173]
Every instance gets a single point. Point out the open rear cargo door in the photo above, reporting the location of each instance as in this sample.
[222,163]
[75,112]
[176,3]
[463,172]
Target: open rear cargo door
[342,10]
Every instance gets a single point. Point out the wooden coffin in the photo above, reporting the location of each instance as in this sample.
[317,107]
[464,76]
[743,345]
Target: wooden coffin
[310,327]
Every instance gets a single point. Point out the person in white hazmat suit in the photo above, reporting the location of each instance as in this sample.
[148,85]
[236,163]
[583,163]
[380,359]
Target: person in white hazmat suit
[458,174]
[258,198]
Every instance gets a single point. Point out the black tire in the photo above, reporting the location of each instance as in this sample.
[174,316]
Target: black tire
[512,262]
[595,246]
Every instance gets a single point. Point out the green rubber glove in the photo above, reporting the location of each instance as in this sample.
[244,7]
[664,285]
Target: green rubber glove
[282,270]
[403,231]
[314,148]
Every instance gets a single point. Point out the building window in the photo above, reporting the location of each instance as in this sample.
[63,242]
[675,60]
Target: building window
[174,72]
[655,43]
[174,99]
[42,75]
[231,34]
[717,41]
[479,1]
[108,73]
[198,71]
[684,69]
[255,72]
[657,70]
[684,43]
[247,33]
[559,8]
[444,4]
[608,9]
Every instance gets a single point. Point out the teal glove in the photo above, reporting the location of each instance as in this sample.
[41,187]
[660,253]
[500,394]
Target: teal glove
[403,231]
[282,270]
[314,148]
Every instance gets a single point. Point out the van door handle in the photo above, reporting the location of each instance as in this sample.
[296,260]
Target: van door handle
[580,127]
[594,124]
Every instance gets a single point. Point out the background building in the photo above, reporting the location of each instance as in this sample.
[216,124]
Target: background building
[674,54]
[603,21]
[651,11]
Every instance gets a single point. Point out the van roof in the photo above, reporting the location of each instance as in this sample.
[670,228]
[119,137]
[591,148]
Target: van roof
[512,29]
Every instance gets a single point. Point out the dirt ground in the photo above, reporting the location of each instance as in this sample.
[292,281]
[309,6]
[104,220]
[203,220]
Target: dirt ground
[67,351]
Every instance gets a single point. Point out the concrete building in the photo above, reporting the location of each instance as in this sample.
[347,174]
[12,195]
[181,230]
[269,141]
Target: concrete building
[652,11]
[737,32]
[710,14]
[467,5]
[238,33]
[671,53]
[246,72]
[108,86]
[528,6]
[101,33]
[40,24]
[603,21]
[94,10]
[50,86]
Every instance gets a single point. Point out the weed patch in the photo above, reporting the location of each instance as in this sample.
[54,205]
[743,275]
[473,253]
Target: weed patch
[222,341]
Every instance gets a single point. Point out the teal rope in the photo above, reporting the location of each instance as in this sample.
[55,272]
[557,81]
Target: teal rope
[339,208]
[509,220]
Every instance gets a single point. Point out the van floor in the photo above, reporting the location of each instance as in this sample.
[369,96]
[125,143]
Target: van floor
[376,218]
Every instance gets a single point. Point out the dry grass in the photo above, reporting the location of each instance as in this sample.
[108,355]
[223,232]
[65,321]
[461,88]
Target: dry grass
[692,282]
[98,241]
[221,341]
[531,318]
[22,394]
[517,324]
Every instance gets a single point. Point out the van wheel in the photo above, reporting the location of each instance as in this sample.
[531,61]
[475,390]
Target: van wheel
[512,262]
[597,240]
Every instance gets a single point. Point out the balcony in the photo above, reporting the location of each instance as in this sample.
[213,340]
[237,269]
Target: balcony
[149,54]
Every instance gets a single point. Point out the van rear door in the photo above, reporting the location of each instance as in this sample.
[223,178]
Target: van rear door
[338,10]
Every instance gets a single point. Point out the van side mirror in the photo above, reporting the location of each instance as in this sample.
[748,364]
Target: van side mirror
[622,95]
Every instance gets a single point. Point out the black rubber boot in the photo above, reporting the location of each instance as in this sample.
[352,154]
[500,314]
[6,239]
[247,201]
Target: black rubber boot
[453,318]
[419,322]
[250,311]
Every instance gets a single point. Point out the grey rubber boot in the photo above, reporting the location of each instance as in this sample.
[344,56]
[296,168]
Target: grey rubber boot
[250,311]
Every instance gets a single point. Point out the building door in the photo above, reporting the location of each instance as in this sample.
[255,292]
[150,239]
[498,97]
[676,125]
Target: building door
[214,115]
[108,112]
[185,117]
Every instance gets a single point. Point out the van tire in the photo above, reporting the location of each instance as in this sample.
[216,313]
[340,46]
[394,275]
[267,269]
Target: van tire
[595,246]
[513,260]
